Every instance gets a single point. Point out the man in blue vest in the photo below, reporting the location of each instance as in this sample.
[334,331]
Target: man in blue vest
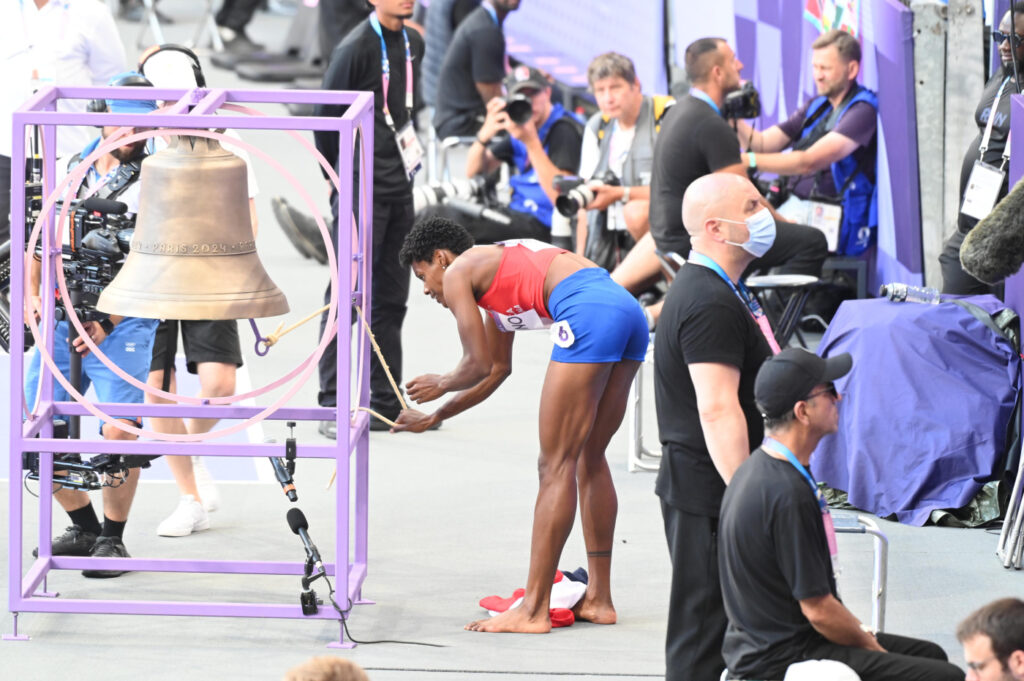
[832,147]
[546,145]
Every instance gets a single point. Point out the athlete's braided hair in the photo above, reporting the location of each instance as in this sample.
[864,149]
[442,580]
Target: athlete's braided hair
[431,234]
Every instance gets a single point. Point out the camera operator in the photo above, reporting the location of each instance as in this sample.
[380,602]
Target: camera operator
[472,70]
[993,110]
[620,138]
[545,145]
[832,146]
[127,341]
[47,42]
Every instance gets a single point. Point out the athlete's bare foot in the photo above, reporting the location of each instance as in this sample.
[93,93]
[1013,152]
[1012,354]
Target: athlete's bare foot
[516,621]
[589,610]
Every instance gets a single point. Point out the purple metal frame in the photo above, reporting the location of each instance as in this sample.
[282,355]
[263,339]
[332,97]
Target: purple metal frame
[350,566]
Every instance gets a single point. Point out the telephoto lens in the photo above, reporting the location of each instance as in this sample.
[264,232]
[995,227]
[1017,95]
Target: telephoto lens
[519,108]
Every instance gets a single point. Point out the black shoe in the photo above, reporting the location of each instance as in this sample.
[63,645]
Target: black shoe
[74,542]
[132,11]
[300,229]
[238,41]
[107,547]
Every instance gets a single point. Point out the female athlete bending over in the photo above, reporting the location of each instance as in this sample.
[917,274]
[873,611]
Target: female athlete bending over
[600,338]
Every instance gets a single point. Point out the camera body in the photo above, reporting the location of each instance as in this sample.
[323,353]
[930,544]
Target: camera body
[575,193]
[99,242]
[742,103]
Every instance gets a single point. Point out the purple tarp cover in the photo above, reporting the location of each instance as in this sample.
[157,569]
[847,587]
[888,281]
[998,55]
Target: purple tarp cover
[925,409]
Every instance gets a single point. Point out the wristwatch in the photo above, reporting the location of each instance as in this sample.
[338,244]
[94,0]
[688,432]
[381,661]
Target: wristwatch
[107,326]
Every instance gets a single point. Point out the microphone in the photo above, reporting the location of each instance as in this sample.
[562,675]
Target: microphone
[287,484]
[95,204]
[477,211]
[994,249]
[297,521]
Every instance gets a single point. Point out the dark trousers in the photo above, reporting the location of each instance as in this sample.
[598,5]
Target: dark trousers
[236,14]
[5,198]
[392,221]
[954,280]
[798,249]
[696,615]
[486,231]
[907,659]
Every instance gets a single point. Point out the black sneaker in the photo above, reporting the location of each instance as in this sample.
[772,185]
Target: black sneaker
[301,230]
[107,547]
[74,542]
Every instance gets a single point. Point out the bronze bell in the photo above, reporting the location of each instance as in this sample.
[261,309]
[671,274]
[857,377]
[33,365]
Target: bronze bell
[193,255]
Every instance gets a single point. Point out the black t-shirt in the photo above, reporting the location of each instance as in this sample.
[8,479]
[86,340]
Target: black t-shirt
[694,141]
[772,553]
[476,55]
[356,65]
[997,143]
[702,321]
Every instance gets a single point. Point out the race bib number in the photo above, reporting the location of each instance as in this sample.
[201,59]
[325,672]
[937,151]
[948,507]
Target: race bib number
[410,149]
[561,334]
[528,320]
[982,190]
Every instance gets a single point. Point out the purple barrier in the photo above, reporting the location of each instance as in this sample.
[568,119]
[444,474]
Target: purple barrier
[764,32]
[562,37]
[1015,284]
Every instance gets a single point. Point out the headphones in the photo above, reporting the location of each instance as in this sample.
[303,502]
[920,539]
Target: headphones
[197,68]
[126,80]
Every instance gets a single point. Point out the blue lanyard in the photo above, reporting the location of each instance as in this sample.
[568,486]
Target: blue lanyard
[779,448]
[743,293]
[385,65]
[490,10]
[700,94]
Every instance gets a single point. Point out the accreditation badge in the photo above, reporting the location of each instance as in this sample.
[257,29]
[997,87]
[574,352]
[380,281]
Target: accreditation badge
[982,191]
[410,148]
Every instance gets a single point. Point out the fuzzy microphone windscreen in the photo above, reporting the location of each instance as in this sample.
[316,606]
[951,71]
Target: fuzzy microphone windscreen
[994,249]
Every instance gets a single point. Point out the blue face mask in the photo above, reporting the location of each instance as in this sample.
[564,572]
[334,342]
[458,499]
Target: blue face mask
[761,226]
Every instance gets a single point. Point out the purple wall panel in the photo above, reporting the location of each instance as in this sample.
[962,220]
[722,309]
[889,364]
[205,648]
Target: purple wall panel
[563,37]
[1015,284]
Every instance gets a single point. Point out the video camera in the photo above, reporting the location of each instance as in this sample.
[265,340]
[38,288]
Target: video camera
[574,192]
[742,103]
[102,470]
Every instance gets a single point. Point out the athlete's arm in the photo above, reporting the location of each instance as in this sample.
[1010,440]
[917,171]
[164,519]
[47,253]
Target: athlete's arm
[500,346]
[475,364]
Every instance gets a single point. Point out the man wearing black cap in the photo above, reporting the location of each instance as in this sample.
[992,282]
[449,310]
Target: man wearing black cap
[777,546]
[546,144]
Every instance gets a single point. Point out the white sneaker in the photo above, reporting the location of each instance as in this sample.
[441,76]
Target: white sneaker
[187,518]
[204,483]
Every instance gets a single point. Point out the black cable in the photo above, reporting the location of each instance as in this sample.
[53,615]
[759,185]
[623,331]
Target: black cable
[344,622]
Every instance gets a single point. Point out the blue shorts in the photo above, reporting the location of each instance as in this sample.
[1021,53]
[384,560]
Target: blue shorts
[129,346]
[596,320]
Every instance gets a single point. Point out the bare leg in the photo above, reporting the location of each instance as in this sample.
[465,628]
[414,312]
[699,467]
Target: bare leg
[117,501]
[598,502]
[568,407]
[637,214]
[180,466]
[640,269]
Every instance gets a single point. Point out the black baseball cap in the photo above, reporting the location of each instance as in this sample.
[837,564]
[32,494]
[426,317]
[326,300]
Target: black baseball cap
[789,377]
[525,77]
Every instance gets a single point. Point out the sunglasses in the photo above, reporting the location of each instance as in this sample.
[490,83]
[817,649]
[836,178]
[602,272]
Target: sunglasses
[829,390]
[999,37]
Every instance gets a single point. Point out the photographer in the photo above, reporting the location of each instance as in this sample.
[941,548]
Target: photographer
[832,141]
[127,341]
[545,145]
[620,139]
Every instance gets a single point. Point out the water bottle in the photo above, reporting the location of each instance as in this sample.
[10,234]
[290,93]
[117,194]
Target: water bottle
[905,293]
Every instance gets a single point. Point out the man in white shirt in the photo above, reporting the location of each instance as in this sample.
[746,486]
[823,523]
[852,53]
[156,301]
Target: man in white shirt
[51,42]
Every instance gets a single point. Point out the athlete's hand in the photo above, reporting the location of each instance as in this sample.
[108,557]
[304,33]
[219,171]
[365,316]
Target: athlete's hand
[425,388]
[412,421]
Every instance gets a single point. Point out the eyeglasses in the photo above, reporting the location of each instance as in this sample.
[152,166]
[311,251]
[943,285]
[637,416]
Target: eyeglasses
[999,37]
[830,390]
[978,666]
